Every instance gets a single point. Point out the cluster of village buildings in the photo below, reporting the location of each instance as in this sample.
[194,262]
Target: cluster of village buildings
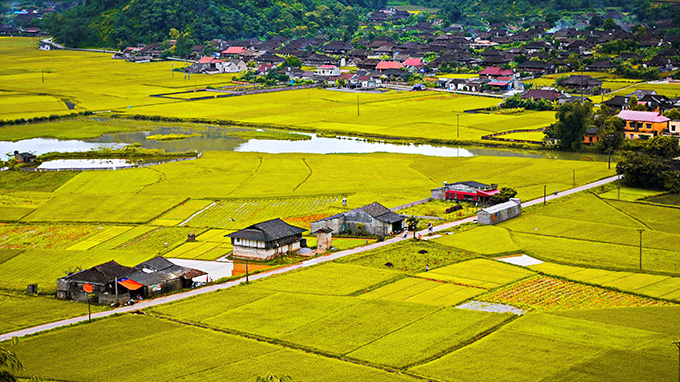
[112,283]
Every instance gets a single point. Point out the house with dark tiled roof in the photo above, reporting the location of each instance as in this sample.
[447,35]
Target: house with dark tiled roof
[372,219]
[548,94]
[100,280]
[581,83]
[266,240]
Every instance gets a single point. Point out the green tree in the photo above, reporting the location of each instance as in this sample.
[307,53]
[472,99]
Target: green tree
[9,363]
[672,114]
[596,21]
[610,128]
[292,61]
[412,224]
[573,119]
[634,105]
[609,24]
[504,194]
[663,147]
[643,171]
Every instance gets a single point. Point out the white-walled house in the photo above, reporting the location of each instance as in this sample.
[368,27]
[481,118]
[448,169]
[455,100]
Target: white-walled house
[328,70]
[266,240]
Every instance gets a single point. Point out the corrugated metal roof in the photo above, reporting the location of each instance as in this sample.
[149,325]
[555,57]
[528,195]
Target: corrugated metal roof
[642,116]
[500,207]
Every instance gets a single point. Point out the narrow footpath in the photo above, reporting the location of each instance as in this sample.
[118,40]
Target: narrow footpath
[307,263]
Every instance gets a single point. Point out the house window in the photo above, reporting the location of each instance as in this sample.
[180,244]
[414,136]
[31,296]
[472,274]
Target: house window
[631,124]
[649,125]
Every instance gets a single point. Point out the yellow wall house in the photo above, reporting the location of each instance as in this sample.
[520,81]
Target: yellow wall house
[643,123]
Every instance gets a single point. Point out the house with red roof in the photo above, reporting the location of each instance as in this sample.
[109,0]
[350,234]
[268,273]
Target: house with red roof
[264,69]
[495,71]
[385,65]
[234,50]
[415,63]
[643,123]
[328,70]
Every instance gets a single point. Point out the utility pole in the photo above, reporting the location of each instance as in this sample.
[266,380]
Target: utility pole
[677,343]
[640,230]
[544,190]
[89,314]
[574,177]
[247,282]
[116,286]
[618,182]
[42,74]
[457,125]
[357,106]
[172,69]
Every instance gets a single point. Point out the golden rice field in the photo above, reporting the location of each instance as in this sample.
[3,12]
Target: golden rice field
[95,82]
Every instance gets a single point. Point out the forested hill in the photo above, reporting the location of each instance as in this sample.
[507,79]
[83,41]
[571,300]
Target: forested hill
[118,23]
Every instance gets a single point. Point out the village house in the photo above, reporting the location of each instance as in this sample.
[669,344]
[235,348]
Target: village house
[469,191]
[111,282]
[500,212]
[266,240]
[674,128]
[24,157]
[373,219]
[101,280]
[495,72]
[328,70]
[159,275]
[581,83]
[647,124]
[386,65]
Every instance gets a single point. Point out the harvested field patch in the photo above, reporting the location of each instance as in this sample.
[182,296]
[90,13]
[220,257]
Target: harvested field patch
[545,294]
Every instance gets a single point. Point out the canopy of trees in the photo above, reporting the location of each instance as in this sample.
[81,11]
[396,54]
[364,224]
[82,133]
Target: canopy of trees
[120,23]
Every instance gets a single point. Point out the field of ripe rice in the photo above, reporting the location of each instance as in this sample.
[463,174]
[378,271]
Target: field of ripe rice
[423,292]
[481,273]
[45,266]
[112,208]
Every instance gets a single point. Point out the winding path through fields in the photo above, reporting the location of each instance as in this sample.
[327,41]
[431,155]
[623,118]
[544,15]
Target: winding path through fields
[307,263]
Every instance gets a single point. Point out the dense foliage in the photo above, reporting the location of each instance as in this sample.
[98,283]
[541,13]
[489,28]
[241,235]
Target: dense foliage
[499,11]
[573,120]
[119,23]
[649,171]
[517,101]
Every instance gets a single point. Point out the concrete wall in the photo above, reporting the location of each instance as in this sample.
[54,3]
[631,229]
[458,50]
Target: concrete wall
[412,204]
[334,224]
[324,241]
[263,254]
[500,212]
[439,193]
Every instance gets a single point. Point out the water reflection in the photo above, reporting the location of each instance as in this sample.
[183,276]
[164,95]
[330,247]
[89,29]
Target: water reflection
[85,164]
[223,139]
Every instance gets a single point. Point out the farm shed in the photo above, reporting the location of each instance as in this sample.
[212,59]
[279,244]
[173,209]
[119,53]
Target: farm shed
[158,276]
[266,240]
[373,219]
[469,191]
[324,239]
[500,212]
[100,280]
